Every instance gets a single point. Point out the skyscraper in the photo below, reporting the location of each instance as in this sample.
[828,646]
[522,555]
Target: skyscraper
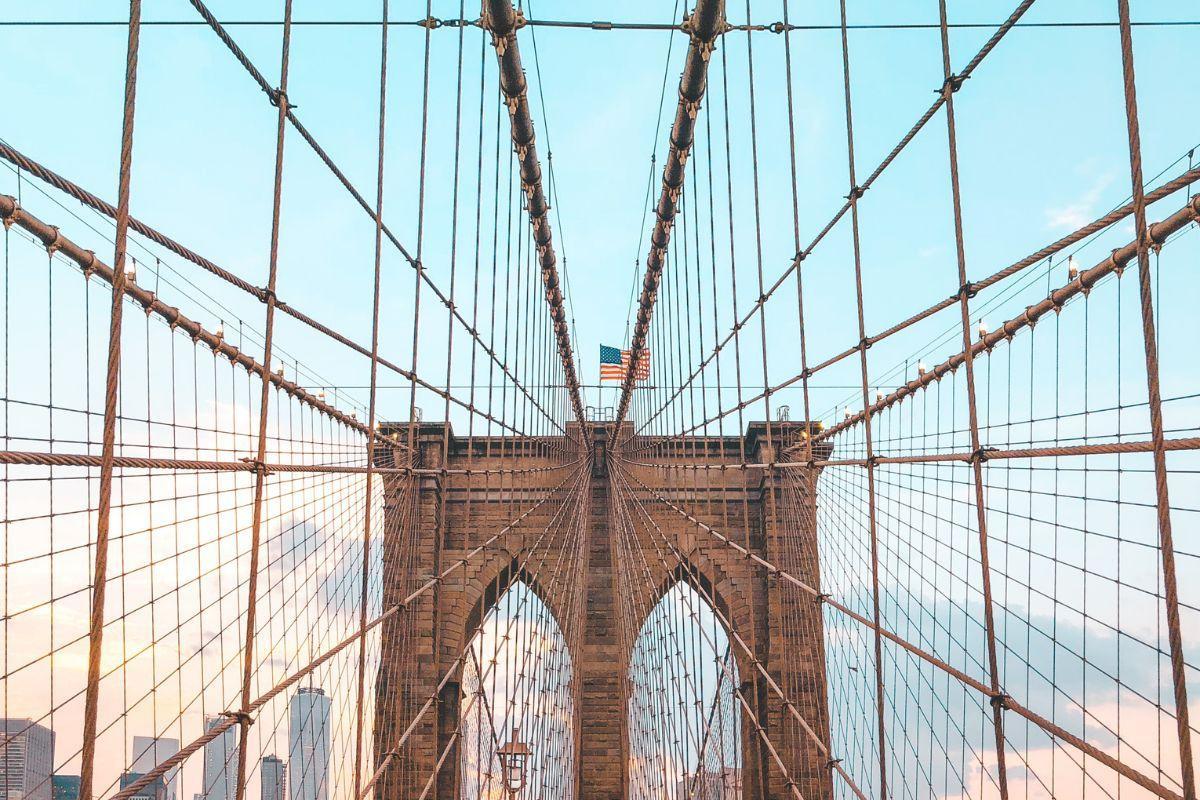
[220,763]
[308,745]
[274,778]
[149,752]
[66,787]
[155,790]
[26,760]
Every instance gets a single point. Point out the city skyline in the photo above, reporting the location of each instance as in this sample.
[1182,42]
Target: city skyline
[308,745]
[148,752]
[220,760]
[27,762]
[272,778]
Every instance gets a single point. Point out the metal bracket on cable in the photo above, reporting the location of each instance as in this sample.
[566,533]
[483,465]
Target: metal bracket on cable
[55,244]
[981,454]
[951,85]
[276,95]
[241,717]
[7,219]
[258,467]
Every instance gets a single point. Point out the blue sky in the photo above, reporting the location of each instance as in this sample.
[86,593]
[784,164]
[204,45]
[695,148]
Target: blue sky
[1042,148]
[1040,124]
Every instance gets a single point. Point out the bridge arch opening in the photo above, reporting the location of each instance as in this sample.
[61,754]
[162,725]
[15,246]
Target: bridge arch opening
[517,687]
[685,721]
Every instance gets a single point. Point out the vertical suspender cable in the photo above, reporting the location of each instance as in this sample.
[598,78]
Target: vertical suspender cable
[706,23]
[951,85]
[371,410]
[280,99]
[499,17]
[1154,397]
[855,193]
[111,388]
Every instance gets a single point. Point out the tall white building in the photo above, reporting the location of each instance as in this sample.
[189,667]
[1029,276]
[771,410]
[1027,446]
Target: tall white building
[274,778]
[220,763]
[26,761]
[149,752]
[308,745]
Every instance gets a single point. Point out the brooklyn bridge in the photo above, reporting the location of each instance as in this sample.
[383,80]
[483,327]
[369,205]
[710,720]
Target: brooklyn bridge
[885,483]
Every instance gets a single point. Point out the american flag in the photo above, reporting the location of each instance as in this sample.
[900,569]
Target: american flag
[614,364]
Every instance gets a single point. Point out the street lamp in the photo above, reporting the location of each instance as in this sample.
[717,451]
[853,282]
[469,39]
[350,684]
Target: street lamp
[514,758]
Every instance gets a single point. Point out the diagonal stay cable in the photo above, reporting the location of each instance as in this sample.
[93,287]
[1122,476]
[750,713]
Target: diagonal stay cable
[229,720]
[503,21]
[705,24]
[1082,284]
[24,162]
[1009,703]
[1116,215]
[12,214]
[857,192]
[413,261]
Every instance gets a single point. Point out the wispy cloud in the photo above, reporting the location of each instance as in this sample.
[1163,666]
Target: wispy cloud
[1081,211]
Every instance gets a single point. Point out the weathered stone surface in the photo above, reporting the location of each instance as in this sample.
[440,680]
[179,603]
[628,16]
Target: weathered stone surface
[433,520]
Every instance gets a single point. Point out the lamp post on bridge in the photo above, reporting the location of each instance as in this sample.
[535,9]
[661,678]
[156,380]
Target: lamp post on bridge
[514,759]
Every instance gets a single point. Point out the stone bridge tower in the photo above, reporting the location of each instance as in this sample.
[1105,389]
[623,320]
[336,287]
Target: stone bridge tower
[435,628]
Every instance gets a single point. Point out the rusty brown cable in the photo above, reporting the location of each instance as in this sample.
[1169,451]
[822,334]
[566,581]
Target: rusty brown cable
[249,465]
[414,260]
[1154,396]
[800,256]
[1155,236]
[503,21]
[949,87]
[260,475]
[1109,219]
[963,456]
[92,201]
[872,523]
[705,24]
[368,503]
[86,260]
[111,390]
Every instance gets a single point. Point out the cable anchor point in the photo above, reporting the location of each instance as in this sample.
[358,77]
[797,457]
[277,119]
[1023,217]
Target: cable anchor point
[278,95]
[240,717]
[951,85]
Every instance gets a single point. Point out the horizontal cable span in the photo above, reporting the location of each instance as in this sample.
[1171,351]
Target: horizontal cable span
[434,23]
[249,465]
[984,454]
[1083,283]
[231,719]
[55,242]
[97,204]
[1004,699]
[275,97]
